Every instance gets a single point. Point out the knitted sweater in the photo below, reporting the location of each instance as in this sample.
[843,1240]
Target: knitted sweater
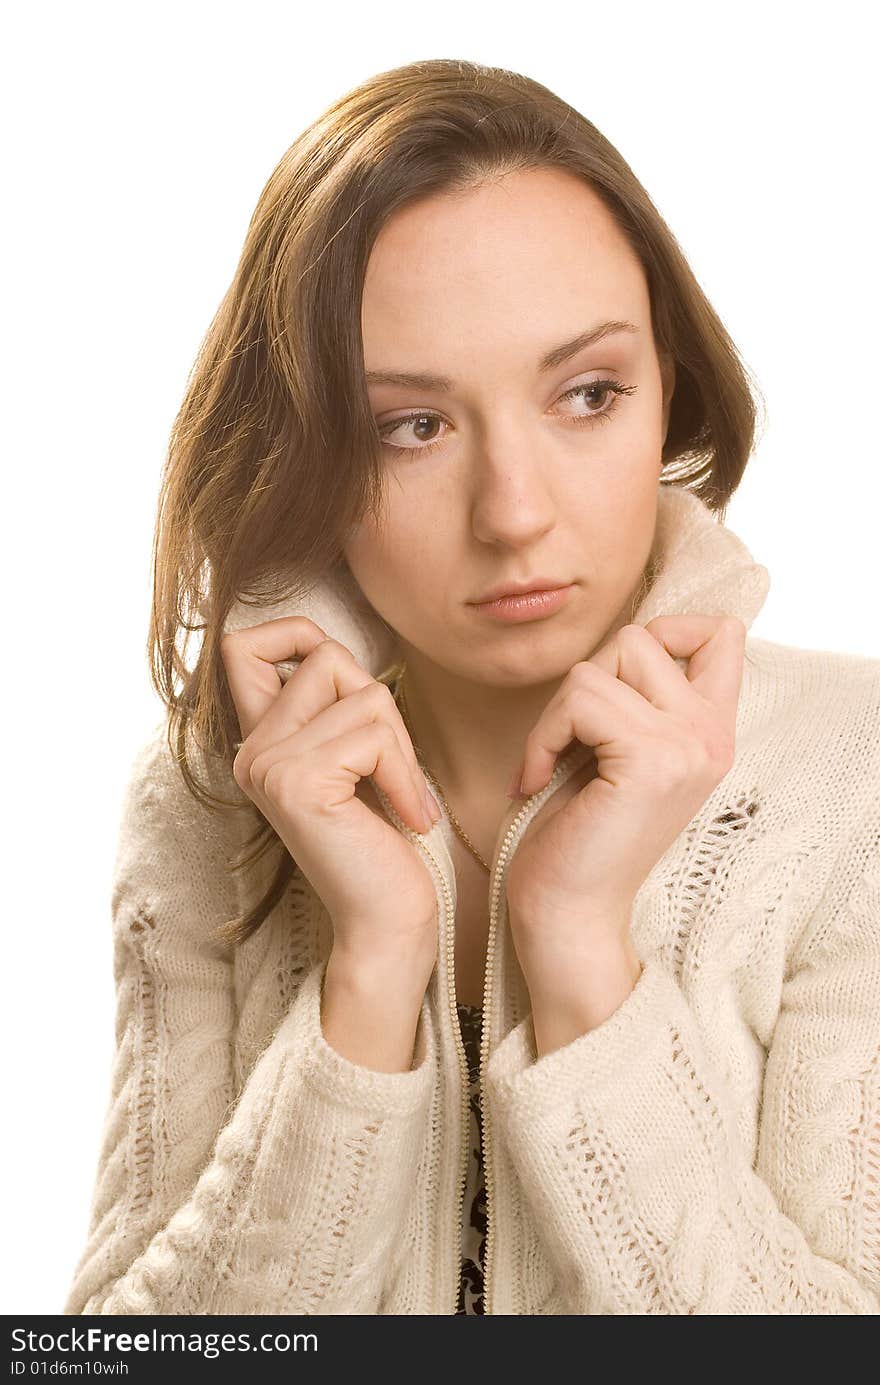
[712,1147]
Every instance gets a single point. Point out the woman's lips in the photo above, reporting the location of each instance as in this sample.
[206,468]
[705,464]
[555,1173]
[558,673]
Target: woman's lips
[526,605]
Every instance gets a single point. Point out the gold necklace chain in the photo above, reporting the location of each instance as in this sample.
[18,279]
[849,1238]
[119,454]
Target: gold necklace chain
[400,698]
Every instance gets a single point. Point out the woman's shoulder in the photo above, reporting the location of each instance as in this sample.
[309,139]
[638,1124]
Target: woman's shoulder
[800,669]
[156,785]
[809,725]
[174,848]
[781,679]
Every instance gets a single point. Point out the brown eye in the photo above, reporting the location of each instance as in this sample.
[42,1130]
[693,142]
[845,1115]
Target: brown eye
[606,388]
[419,421]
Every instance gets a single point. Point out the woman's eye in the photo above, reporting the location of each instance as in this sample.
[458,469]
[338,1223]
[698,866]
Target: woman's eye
[424,422]
[588,392]
[417,421]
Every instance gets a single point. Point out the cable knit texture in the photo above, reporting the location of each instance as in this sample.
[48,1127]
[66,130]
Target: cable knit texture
[712,1147]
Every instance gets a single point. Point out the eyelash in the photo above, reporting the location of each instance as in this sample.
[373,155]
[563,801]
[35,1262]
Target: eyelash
[611,386]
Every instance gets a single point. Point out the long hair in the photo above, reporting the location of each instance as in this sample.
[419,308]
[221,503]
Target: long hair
[274,453]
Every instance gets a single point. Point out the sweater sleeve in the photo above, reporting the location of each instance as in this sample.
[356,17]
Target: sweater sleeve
[626,1141]
[286,1198]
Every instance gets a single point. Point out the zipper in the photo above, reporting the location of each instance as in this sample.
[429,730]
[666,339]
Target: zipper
[531,807]
[497,874]
[464,1076]
[418,840]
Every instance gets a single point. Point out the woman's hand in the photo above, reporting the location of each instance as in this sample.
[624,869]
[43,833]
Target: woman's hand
[662,740]
[308,745]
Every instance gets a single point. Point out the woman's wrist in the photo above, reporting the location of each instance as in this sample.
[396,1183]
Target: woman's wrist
[401,971]
[370,1009]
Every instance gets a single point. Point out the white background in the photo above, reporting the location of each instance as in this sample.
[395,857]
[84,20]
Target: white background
[137,141]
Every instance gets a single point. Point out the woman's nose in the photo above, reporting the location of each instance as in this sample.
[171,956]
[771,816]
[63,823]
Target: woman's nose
[511,494]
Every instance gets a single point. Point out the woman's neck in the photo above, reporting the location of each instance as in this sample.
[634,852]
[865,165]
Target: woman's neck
[470,736]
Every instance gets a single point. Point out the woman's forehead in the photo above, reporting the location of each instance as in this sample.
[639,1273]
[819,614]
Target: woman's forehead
[460,276]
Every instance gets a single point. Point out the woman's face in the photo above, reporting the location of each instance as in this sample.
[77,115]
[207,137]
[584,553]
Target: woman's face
[512,466]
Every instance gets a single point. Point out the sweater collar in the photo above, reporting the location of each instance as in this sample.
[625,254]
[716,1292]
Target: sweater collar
[700,567]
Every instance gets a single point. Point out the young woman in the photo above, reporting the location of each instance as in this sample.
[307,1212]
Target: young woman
[591,1024]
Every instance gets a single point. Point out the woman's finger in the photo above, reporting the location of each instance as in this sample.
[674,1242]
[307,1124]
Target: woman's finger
[324,677]
[329,675]
[249,657]
[592,707]
[714,647]
[369,704]
[337,762]
[638,658]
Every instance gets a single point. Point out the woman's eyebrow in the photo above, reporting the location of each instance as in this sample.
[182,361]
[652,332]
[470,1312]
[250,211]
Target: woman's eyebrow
[556,356]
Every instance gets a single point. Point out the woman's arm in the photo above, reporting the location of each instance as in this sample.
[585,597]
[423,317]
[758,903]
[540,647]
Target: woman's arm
[626,1139]
[289,1199]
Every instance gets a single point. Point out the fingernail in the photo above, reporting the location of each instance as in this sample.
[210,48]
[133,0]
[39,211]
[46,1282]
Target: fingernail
[432,806]
[514,787]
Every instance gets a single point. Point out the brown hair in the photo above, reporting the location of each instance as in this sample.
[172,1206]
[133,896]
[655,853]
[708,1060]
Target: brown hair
[274,453]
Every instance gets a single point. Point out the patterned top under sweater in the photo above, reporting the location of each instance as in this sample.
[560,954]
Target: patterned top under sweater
[470,1294]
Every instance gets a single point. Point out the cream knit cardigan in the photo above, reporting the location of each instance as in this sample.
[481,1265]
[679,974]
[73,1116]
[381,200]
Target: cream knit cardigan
[712,1147]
